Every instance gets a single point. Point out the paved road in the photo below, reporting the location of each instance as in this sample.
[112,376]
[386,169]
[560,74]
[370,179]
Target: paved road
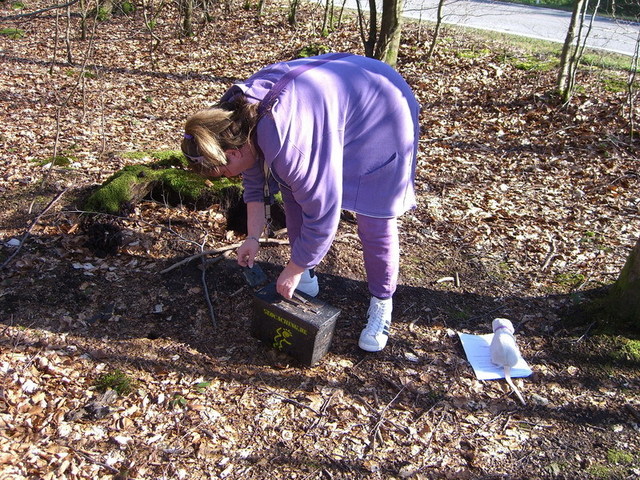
[534,22]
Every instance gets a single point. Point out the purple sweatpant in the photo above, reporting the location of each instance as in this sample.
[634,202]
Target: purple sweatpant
[380,246]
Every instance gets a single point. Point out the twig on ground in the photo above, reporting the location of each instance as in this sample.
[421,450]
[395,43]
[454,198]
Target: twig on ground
[376,428]
[551,256]
[217,251]
[38,12]
[93,460]
[585,333]
[345,237]
[321,413]
[205,287]
[435,429]
[288,400]
[33,224]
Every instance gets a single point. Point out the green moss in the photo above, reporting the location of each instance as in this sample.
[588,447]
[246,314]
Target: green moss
[600,471]
[116,380]
[534,64]
[615,85]
[618,462]
[163,179]
[458,314]
[187,184]
[127,7]
[103,14]
[59,160]
[628,349]
[169,158]
[313,50]
[13,33]
[164,158]
[619,457]
[483,52]
[117,191]
[569,280]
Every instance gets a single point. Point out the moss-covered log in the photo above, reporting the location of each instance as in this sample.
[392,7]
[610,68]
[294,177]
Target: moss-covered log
[624,298]
[167,180]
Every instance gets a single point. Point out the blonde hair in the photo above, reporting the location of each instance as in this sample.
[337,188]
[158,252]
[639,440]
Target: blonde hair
[228,125]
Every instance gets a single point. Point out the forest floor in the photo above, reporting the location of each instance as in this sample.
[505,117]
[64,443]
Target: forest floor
[532,205]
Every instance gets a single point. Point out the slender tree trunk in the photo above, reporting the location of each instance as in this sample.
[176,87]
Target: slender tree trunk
[67,37]
[436,34]
[293,10]
[382,44]
[187,20]
[368,37]
[573,48]
[390,31]
[373,29]
[83,20]
[327,20]
[632,93]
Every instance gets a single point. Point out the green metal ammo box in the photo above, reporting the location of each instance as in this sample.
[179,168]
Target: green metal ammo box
[301,327]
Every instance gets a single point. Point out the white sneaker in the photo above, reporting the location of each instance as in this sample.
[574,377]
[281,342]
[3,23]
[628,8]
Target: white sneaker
[375,335]
[309,283]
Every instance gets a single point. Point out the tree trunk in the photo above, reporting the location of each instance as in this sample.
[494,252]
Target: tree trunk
[368,38]
[390,31]
[187,18]
[436,34]
[624,298]
[564,76]
[574,46]
[293,11]
[385,43]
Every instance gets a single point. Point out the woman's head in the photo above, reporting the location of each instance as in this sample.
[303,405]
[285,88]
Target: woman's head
[212,132]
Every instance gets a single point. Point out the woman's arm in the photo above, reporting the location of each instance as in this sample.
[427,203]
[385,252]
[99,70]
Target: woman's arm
[255,226]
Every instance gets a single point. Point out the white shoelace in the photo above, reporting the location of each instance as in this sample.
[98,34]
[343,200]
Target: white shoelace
[378,320]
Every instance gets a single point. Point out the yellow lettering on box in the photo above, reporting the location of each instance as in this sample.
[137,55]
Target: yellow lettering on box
[284,321]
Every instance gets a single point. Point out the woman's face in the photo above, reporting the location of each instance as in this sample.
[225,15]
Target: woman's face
[238,160]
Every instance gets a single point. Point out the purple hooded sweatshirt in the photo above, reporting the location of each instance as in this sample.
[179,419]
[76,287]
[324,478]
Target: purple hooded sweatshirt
[341,135]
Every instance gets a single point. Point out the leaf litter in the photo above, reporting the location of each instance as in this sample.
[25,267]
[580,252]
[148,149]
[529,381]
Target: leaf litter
[528,205]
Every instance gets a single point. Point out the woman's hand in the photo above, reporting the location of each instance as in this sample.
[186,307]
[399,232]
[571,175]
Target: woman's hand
[289,279]
[247,252]
[255,225]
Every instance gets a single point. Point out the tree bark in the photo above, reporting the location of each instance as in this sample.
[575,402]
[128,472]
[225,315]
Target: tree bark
[187,18]
[436,34]
[564,75]
[390,31]
[624,297]
[574,46]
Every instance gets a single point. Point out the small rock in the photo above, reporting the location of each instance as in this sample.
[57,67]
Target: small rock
[539,400]
[122,440]
[29,386]
[411,357]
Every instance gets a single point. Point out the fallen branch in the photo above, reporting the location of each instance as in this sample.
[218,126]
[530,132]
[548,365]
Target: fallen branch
[218,251]
[375,433]
[88,457]
[285,398]
[552,255]
[321,412]
[205,287]
[38,12]
[28,232]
